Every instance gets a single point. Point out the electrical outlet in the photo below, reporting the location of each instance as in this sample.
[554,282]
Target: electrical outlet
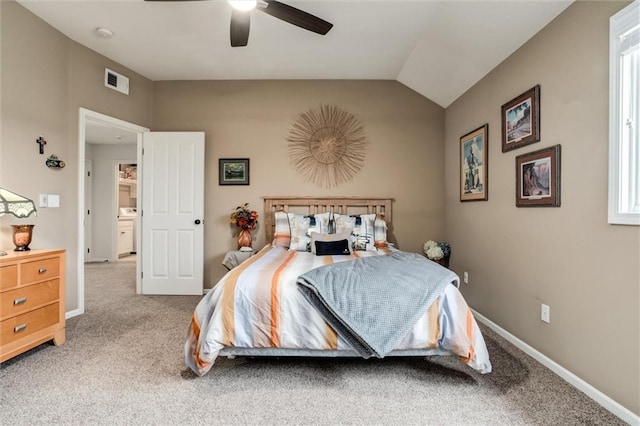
[545,312]
[465,277]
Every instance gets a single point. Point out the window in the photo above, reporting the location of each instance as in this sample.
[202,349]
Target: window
[624,116]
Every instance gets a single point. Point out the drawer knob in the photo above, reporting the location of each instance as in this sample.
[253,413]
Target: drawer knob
[42,270]
[19,328]
[19,300]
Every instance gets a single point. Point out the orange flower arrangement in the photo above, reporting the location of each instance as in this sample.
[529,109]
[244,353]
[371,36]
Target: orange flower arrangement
[244,218]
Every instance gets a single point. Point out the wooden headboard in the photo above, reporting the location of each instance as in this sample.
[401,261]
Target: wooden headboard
[313,205]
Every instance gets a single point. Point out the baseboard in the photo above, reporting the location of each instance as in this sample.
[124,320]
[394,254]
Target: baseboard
[614,407]
[72,314]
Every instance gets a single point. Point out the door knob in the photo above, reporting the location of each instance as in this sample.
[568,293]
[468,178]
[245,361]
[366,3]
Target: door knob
[197,222]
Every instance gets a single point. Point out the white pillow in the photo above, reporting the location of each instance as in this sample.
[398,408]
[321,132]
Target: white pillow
[380,232]
[371,233]
[322,222]
[299,226]
[282,232]
[345,223]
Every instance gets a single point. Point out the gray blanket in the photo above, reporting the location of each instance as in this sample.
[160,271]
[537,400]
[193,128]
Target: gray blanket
[373,302]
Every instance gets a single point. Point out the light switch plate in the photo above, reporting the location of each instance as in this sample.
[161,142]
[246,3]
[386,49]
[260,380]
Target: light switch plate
[545,312]
[43,200]
[54,200]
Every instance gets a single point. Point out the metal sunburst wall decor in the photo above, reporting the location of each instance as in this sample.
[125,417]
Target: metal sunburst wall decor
[327,145]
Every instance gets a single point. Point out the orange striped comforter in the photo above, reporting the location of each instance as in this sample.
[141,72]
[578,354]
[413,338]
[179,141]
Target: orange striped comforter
[258,305]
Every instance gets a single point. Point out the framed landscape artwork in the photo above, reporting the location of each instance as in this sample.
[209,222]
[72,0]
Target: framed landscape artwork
[233,171]
[538,178]
[521,120]
[474,167]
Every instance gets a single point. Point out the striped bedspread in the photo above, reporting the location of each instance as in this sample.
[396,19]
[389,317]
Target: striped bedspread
[258,305]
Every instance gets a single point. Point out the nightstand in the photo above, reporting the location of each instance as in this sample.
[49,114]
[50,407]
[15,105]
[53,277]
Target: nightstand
[235,257]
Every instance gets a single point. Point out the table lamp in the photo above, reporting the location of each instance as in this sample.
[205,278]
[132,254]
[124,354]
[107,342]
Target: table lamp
[20,207]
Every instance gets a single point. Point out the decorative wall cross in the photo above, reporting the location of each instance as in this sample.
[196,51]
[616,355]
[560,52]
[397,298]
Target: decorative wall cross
[40,141]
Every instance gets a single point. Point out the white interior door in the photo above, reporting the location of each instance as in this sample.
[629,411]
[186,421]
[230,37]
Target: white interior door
[172,213]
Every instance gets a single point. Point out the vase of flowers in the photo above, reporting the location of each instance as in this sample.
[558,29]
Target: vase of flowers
[438,252]
[246,220]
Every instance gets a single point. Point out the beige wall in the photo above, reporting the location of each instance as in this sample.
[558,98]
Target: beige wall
[569,257]
[251,119]
[45,79]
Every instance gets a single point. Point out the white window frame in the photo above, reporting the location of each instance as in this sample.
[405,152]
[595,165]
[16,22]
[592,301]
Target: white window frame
[624,117]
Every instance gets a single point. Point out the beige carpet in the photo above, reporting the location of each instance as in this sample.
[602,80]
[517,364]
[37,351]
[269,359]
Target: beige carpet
[123,364]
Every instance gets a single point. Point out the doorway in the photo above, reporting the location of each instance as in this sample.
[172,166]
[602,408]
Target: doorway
[96,129]
[126,176]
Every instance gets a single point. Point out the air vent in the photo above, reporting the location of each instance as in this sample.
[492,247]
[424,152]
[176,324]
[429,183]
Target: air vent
[116,81]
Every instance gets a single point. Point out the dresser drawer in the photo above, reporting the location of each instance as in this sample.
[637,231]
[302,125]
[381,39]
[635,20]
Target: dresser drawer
[39,270]
[8,277]
[20,326]
[23,299]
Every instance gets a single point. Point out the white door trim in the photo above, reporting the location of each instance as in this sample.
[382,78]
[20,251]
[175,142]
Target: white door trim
[85,116]
[88,194]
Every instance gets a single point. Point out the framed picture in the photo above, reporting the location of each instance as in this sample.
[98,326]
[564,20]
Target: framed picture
[521,120]
[233,171]
[474,165]
[538,178]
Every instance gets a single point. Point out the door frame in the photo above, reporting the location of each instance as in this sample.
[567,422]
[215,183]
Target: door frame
[88,196]
[85,116]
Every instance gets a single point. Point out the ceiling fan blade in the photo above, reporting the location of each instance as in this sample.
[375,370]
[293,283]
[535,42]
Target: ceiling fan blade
[240,23]
[296,17]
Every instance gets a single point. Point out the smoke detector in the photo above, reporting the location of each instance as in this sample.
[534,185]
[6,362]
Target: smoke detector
[104,32]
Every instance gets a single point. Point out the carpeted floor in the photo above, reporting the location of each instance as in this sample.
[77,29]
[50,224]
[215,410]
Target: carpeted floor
[123,364]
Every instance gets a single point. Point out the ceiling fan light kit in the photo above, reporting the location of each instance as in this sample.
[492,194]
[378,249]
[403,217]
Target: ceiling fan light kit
[243,5]
[241,18]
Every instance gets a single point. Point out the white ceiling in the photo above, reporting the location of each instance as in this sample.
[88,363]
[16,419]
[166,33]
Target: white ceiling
[437,48]
[102,133]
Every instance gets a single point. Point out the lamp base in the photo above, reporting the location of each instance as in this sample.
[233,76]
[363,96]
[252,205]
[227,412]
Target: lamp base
[22,237]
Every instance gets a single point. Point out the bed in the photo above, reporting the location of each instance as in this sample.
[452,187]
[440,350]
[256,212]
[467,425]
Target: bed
[309,293]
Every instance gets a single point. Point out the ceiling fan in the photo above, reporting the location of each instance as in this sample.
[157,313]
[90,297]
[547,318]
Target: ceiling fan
[241,18]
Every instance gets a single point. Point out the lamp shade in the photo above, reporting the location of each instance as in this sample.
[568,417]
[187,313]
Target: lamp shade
[16,204]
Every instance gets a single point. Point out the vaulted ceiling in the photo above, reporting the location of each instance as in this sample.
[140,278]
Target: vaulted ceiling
[437,48]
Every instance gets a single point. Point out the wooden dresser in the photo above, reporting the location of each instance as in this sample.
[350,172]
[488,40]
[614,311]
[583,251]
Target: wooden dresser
[32,299]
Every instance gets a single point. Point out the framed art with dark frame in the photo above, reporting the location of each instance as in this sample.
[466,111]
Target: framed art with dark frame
[474,165]
[521,120]
[233,171]
[538,178]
